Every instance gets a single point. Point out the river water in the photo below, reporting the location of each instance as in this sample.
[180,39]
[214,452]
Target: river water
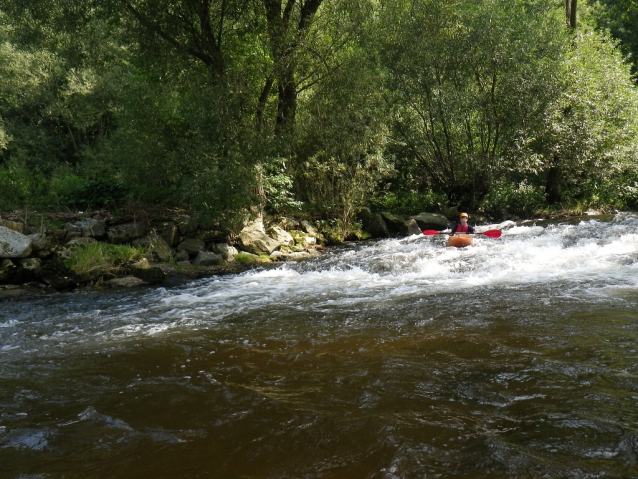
[514,358]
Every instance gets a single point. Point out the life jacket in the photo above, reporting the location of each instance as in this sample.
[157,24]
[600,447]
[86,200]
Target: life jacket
[462,229]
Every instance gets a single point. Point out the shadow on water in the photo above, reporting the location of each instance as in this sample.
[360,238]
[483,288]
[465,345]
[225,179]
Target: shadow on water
[395,360]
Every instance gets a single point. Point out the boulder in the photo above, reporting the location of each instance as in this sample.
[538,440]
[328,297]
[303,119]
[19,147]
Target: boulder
[147,272]
[92,227]
[279,234]
[181,256]
[126,282]
[207,258]
[71,231]
[84,240]
[431,221]
[8,271]
[411,227]
[12,225]
[228,252]
[364,215]
[306,227]
[157,245]
[254,240]
[393,222]
[14,244]
[125,233]
[171,235]
[38,241]
[192,246]
[377,227]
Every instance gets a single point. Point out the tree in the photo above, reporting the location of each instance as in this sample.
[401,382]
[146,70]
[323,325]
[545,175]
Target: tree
[468,81]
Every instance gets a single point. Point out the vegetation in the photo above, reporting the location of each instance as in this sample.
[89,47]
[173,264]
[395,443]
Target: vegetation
[101,259]
[233,108]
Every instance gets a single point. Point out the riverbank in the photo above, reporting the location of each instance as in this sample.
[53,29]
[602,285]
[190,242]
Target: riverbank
[42,253]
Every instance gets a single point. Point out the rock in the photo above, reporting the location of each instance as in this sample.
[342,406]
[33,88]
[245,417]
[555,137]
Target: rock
[431,221]
[92,227]
[192,246]
[281,235]
[126,282]
[14,244]
[377,227]
[8,271]
[184,263]
[306,227]
[147,272]
[38,241]
[171,235]
[254,240]
[206,258]
[71,231]
[364,215]
[181,256]
[411,227]
[125,233]
[83,240]
[12,225]
[393,222]
[208,236]
[228,252]
[56,275]
[157,245]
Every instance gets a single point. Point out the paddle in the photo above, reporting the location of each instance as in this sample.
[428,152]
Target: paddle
[488,233]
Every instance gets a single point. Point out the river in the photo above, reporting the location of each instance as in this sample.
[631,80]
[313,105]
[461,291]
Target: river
[514,358]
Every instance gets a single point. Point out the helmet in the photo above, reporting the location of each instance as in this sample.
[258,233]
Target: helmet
[463,215]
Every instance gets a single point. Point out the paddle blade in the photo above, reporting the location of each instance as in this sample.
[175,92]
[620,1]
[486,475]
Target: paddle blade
[492,233]
[430,232]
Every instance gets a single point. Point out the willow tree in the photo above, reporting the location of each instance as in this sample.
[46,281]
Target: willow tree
[469,80]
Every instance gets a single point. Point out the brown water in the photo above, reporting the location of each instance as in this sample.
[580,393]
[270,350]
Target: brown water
[400,359]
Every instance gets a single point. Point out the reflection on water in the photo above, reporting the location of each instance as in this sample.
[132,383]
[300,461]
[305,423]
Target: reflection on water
[517,357]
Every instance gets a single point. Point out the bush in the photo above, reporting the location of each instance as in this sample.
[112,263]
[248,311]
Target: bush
[408,202]
[521,199]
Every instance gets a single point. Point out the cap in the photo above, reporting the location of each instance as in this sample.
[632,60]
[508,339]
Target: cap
[463,214]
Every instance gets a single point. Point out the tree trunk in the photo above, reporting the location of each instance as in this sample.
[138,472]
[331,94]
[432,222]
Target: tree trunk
[570,13]
[554,185]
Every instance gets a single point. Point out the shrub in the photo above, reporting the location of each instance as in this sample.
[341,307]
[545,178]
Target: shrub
[101,259]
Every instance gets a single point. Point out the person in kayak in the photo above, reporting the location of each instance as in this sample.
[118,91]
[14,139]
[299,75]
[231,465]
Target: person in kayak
[462,226]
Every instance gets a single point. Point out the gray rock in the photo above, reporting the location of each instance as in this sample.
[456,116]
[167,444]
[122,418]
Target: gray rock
[181,256]
[279,234]
[184,263]
[253,240]
[171,235]
[126,282]
[411,227]
[38,241]
[228,252]
[206,258]
[155,244]
[308,228]
[394,222]
[192,246]
[14,244]
[125,233]
[147,272]
[71,231]
[92,227]
[431,221]
[377,227]
[84,240]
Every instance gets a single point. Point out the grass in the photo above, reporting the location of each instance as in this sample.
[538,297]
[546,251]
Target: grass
[102,259]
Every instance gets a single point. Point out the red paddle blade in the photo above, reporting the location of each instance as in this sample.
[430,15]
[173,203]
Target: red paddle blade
[430,232]
[492,233]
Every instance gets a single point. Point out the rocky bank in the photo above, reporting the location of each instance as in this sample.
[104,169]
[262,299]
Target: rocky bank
[34,258]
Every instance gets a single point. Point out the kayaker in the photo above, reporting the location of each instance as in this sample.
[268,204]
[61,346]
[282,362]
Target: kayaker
[462,226]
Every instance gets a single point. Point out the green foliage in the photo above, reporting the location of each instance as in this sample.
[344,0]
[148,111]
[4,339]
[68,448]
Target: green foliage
[468,79]
[101,259]
[408,202]
[513,198]
[246,259]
